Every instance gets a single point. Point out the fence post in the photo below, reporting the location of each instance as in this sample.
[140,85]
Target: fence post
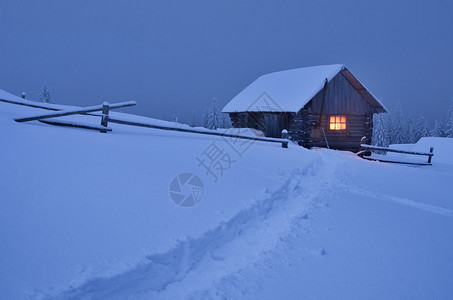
[363,140]
[105,115]
[285,137]
[363,151]
[430,156]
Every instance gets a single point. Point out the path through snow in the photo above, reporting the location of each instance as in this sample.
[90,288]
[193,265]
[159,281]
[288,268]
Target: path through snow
[194,264]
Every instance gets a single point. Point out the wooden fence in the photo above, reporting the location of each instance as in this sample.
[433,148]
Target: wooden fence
[365,153]
[106,118]
[284,142]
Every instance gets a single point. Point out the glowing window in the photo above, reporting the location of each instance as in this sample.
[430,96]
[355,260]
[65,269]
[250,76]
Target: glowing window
[337,122]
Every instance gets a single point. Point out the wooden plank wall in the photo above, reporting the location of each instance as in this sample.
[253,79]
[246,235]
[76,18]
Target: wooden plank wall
[357,126]
[300,128]
[271,124]
[341,98]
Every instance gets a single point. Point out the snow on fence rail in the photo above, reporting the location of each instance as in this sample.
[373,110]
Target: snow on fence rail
[284,142]
[106,118]
[30,104]
[366,151]
[76,111]
[77,125]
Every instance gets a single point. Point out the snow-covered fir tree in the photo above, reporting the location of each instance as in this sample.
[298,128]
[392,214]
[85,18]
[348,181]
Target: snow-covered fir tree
[380,135]
[193,123]
[437,130]
[448,126]
[174,118]
[213,117]
[205,118]
[397,132]
[44,96]
[226,122]
[421,129]
[410,130]
[387,124]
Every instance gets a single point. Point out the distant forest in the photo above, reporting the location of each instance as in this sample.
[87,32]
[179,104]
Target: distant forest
[397,127]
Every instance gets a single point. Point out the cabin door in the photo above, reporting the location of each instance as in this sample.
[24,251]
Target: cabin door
[272,125]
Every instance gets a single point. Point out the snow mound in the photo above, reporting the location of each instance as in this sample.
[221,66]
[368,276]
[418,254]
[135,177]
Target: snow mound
[443,149]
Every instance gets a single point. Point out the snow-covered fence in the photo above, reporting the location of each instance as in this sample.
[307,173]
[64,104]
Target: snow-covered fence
[366,151]
[77,125]
[105,108]
[30,104]
[76,111]
[106,118]
[284,142]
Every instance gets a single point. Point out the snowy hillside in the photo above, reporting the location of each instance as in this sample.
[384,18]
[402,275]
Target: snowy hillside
[85,215]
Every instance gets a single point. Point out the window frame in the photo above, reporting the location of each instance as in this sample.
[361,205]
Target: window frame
[340,122]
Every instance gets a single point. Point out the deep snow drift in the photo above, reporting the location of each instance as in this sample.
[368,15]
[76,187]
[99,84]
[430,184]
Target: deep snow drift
[85,215]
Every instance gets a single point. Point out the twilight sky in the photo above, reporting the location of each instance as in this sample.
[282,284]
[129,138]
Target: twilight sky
[173,57]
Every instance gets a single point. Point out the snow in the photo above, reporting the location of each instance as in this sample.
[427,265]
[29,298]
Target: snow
[287,91]
[13,98]
[8,96]
[443,149]
[85,215]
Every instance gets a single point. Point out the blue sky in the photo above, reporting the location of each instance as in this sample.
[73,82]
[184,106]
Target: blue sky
[173,57]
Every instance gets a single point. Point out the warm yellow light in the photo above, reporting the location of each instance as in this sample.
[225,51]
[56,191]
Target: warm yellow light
[337,123]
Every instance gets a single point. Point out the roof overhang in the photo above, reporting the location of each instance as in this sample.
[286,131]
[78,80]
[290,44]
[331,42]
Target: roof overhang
[363,91]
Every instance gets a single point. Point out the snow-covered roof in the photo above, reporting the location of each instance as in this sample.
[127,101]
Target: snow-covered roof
[291,90]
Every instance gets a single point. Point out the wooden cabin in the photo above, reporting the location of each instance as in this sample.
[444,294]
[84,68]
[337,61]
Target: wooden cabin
[320,106]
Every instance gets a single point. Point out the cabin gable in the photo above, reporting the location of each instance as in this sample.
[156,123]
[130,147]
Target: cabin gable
[340,98]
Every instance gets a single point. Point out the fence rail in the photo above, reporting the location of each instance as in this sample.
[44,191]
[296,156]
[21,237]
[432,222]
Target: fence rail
[366,149]
[106,118]
[284,142]
[34,105]
[76,111]
[76,125]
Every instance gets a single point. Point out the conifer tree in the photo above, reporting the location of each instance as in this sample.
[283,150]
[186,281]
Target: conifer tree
[437,130]
[421,128]
[193,123]
[397,132]
[226,123]
[448,126]
[44,96]
[380,137]
[213,117]
[410,130]
[206,118]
